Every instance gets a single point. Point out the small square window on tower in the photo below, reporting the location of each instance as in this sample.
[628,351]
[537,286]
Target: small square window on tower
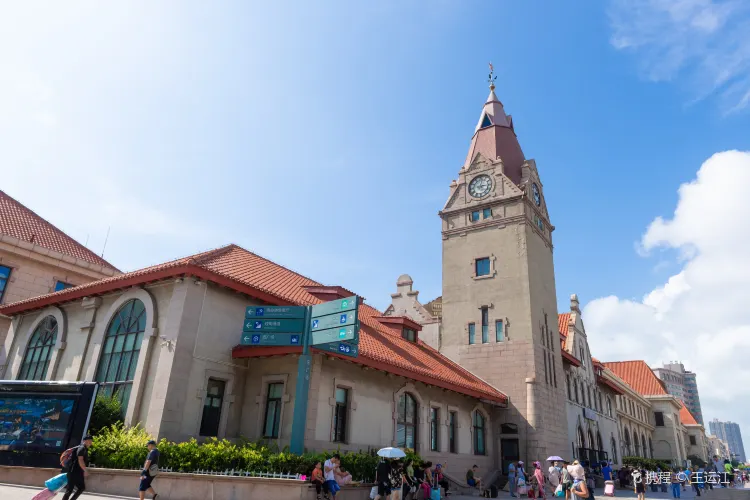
[486,213]
[482,266]
[475,216]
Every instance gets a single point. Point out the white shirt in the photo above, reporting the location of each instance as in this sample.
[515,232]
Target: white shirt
[329,475]
[554,476]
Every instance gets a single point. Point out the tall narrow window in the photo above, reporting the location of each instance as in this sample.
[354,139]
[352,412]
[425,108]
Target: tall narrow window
[614,450]
[406,424]
[546,374]
[485,325]
[472,334]
[122,345]
[452,432]
[273,410]
[482,266]
[339,415]
[4,277]
[39,351]
[434,429]
[659,418]
[212,407]
[479,448]
[499,336]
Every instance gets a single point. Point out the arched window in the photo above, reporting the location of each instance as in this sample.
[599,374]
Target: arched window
[122,344]
[601,407]
[592,443]
[650,448]
[581,439]
[479,438]
[599,442]
[575,386]
[406,425]
[637,445]
[643,445]
[38,352]
[626,451]
[609,406]
[613,443]
[567,385]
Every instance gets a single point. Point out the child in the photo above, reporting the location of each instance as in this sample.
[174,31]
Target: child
[318,481]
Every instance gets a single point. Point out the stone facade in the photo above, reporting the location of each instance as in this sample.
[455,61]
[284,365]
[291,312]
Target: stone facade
[191,330]
[669,439]
[499,283]
[636,424]
[593,432]
[405,302]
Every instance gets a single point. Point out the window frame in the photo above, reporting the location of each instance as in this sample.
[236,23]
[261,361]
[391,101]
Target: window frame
[472,333]
[482,260]
[277,419]
[64,284]
[485,313]
[116,350]
[452,431]
[476,418]
[486,213]
[341,413]
[46,331]
[4,280]
[405,334]
[499,332]
[221,398]
[658,416]
[414,424]
[434,428]
[474,216]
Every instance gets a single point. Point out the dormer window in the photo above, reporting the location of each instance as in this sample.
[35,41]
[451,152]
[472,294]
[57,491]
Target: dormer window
[409,334]
[486,122]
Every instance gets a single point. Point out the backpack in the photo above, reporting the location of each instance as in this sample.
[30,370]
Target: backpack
[66,458]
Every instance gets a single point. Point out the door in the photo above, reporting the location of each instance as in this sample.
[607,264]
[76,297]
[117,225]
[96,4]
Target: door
[509,453]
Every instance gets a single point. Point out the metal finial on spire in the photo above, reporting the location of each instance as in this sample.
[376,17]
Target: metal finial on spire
[492,77]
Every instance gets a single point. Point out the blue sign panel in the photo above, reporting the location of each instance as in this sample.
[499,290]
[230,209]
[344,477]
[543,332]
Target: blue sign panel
[343,348]
[275,312]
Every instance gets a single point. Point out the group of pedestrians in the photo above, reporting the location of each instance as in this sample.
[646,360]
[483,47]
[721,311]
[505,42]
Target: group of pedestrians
[77,471]
[562,479]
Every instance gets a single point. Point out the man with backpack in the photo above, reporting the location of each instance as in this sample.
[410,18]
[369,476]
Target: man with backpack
[150,470]
[77,469]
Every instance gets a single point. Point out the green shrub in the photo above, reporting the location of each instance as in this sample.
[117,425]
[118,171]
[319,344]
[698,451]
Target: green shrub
[117,447]
[107,412]
[649,464]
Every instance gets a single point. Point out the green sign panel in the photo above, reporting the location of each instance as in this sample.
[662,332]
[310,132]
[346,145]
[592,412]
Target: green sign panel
[335,306]
[343,348]
[335,335]
[333,321]
[275,312]
[250,338]
[274,325]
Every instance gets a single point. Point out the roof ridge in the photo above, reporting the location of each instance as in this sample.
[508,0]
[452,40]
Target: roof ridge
[58,231]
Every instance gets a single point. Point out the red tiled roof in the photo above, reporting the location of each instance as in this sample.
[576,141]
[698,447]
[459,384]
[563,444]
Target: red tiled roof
[19,222]
[686,417]
[562,323]
[639,376]
[381,347]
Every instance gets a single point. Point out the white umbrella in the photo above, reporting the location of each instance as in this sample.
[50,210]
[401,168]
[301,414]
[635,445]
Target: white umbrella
[554,458]
[391,453]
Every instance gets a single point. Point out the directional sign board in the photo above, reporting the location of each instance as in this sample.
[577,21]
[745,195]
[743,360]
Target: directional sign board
[249,338]
[334,335]
[344,348]
[274,325]
[335,321]
[275,312]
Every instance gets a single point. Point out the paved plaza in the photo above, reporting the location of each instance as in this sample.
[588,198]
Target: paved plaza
[8,492]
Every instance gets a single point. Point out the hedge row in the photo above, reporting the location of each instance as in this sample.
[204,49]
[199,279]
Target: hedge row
[117,447]
[650,464]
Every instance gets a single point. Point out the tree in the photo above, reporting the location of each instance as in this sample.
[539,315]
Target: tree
[107,412]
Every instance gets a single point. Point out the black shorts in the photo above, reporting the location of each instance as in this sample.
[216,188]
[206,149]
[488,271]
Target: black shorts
[145,483]
[384,489]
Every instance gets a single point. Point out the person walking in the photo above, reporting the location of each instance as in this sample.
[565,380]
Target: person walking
[675,484]
[567,480]
[78,470]
[640,485]
[554,476]
[512,479]
[150,470]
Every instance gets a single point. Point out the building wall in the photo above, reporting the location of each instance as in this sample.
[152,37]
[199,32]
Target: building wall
[34,272]
[700,448]
[634,414]
[405,302]
[730,433]
[669,442]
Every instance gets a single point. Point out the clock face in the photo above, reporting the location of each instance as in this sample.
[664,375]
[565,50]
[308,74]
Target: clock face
[535,193]
[480,186]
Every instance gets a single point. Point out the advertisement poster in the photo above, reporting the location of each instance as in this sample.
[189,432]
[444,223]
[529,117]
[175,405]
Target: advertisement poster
[34,423]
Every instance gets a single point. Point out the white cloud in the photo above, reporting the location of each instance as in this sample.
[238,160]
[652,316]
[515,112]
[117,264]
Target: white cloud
[704,43]
[701,315]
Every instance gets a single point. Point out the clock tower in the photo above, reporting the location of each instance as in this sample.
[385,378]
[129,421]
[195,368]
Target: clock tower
[499,303]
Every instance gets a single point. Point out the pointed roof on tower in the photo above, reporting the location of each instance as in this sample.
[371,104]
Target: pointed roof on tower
[494,137]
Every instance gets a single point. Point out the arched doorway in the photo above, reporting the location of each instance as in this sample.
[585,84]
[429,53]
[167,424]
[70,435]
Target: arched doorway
[626,451]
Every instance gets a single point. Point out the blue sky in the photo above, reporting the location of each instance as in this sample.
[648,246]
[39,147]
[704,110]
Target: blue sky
[324,135]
